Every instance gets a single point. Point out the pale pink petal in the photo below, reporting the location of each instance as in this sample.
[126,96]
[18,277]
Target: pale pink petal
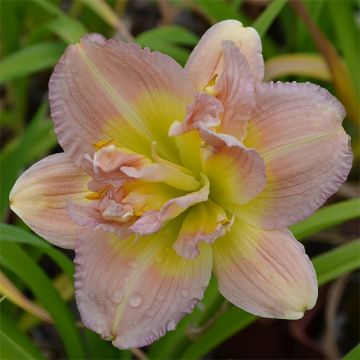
[40,194]
[112,158]
[88,214]
[133,292]
[105,167]
[206,60]
[152,221]
[105,90]
[296,128]
[203,112]
[236,173]
[266,273]
[235,89]
[218,140]
[203,222]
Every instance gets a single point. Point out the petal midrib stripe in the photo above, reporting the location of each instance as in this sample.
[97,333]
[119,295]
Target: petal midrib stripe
[130,116]
[272,154]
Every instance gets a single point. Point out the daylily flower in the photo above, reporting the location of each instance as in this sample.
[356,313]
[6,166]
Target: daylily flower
[170,174]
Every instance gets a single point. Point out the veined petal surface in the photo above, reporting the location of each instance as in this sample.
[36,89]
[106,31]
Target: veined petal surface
[235,90]
[133,292]
[40,194]
[206,60]
[266,273]
[296,129]
[104,90]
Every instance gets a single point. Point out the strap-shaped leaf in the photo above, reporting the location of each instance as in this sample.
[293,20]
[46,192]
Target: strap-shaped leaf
[15,259]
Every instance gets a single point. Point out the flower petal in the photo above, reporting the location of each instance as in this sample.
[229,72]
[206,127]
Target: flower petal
[204,111]
[206,60]
[133,292]
[267,273]
[39,198]
[165,173]
[88,215]
[236,173]
[204,222]
[235,89]
[152,221]
[110,158]
[296,129]
[104,90]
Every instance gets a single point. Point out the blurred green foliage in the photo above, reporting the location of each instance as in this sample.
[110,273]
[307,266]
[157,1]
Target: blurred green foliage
[34,34]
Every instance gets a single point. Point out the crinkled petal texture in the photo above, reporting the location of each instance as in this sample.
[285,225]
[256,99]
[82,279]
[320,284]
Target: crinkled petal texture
[133,292]
[296,129]
[265,272]
[107,90]
[40,195]
[207,60]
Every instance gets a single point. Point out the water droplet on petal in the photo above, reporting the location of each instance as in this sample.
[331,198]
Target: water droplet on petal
[126,279]
[117,295]
[171,325]
[184,293]
[135,300]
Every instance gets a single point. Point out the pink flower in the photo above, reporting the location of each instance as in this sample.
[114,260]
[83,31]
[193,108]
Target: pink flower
[169,174]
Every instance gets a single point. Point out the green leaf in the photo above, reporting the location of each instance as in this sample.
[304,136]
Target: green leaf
[347,33]
[10,26]
[14,344]
[327,217]
[102,9]
[97,348]
[297,64]
[328,267]
[68,29]
[171,34]
[354,354]
[27,148]
[263,22]
[29,60]
[337,262]
[231,322]
[217,10]
[20,263]
[14,234]
[169,40]
[303,40]
[50,6]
